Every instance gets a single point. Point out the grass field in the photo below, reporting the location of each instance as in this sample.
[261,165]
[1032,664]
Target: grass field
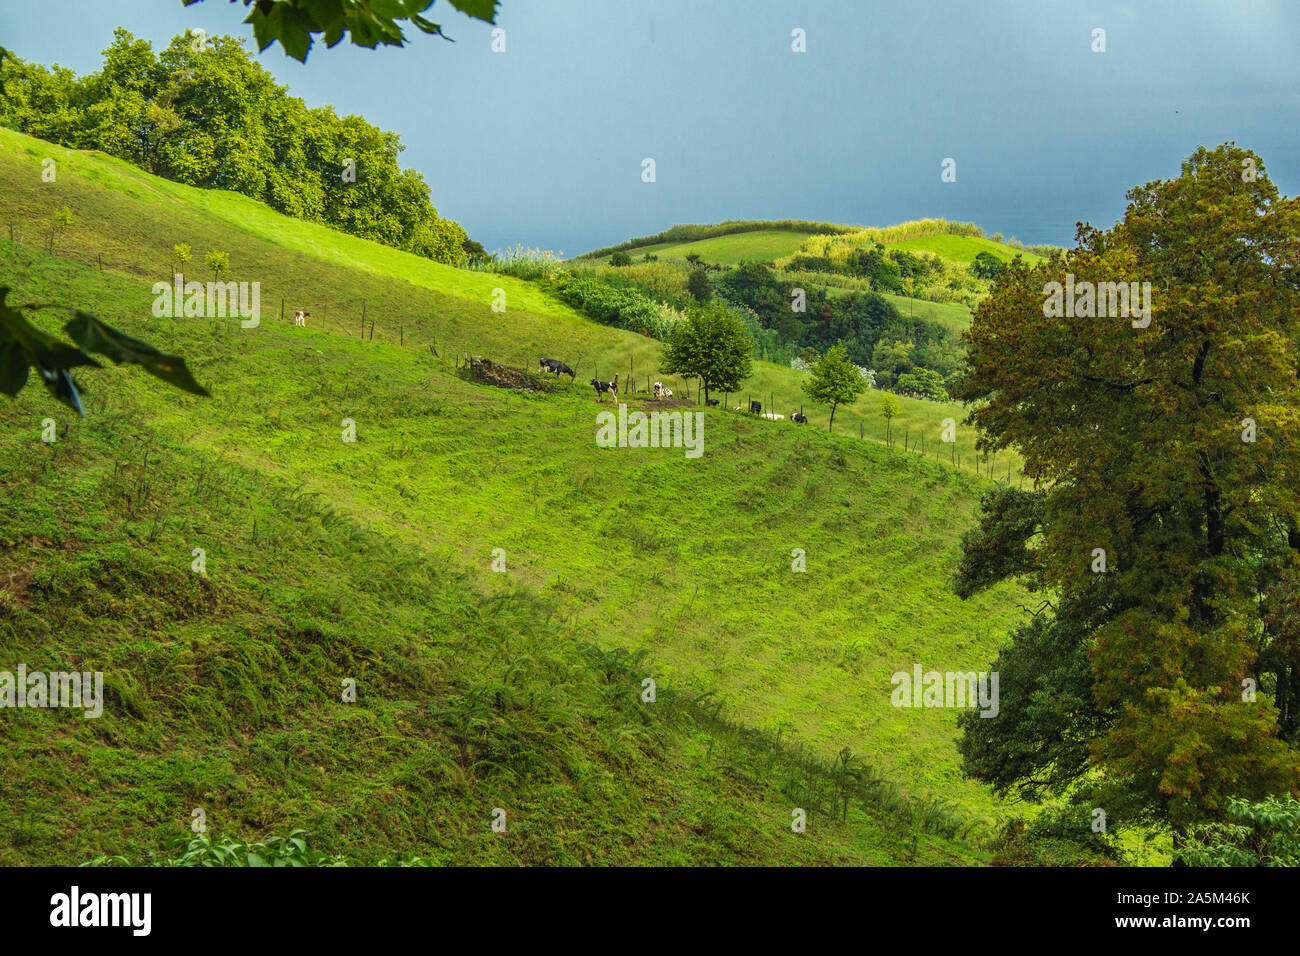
[765,245]
[328,560]
[964,249]
[953,316]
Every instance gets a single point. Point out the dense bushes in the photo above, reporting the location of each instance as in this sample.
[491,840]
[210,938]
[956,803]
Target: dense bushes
[911,354]
[898,271]
[986,266]
[212,117]
[626,308]
[865,322]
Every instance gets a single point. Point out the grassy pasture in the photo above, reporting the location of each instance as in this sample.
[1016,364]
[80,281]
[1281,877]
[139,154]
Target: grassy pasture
[963,249]
[328,559]
[766,245]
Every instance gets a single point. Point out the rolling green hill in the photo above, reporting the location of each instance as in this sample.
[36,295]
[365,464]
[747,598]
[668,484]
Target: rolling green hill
[964,249]
[371,560]
[766,245]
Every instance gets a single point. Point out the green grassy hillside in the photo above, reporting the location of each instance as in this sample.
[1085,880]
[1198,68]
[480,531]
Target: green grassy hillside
[477,690]
[964,249]
[406,298]
[765,245]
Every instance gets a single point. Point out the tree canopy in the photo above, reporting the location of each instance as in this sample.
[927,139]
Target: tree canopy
[368,23]
[834,381]
[213,117]
[711,345]
[1162,444]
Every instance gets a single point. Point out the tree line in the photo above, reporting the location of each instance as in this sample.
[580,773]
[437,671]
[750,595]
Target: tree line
[205,113]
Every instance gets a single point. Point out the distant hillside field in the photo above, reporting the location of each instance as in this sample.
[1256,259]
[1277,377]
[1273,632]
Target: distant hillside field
[964,249]
[764,246]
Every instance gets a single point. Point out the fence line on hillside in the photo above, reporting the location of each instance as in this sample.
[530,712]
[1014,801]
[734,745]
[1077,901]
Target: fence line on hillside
[408,325]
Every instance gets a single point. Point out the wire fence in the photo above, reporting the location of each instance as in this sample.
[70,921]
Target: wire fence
[395,324]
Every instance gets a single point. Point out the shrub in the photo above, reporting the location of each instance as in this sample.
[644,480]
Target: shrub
[986,266]
[698,285]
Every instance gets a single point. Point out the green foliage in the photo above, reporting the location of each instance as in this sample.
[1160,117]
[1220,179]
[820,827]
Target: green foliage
[474,252]
[998,547]
[888,410]
[62,221]
[834,381]
[986,266]
[182,253]
[1265,833]
[1058,836]
[218,263]
[290,850]
[1131,425]
[620,259]
[1039,745]
[888,406]
[367,23]
[525,263]
[923,383]
[215,118]
[891,360]
[624,307]
[712,346]
[698,284]
[24,346]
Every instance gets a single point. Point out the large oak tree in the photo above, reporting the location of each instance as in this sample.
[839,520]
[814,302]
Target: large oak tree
[1172,447]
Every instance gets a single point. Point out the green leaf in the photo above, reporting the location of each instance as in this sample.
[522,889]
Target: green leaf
[330,18]
[429,27]
[62,387]
[94,336]
[23,345]
[14,366]
[479,9]
[389,9]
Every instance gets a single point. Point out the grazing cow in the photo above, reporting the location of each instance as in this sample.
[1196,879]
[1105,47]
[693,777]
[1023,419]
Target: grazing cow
[773,416]
[605,388]
[755,408]
[300,318]
[711,402]
[558,368]
[799,418]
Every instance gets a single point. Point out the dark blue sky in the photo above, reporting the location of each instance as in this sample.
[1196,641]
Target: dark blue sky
[543,144]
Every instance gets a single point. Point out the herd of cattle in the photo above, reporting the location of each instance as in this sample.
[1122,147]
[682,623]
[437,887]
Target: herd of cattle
[556,367]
